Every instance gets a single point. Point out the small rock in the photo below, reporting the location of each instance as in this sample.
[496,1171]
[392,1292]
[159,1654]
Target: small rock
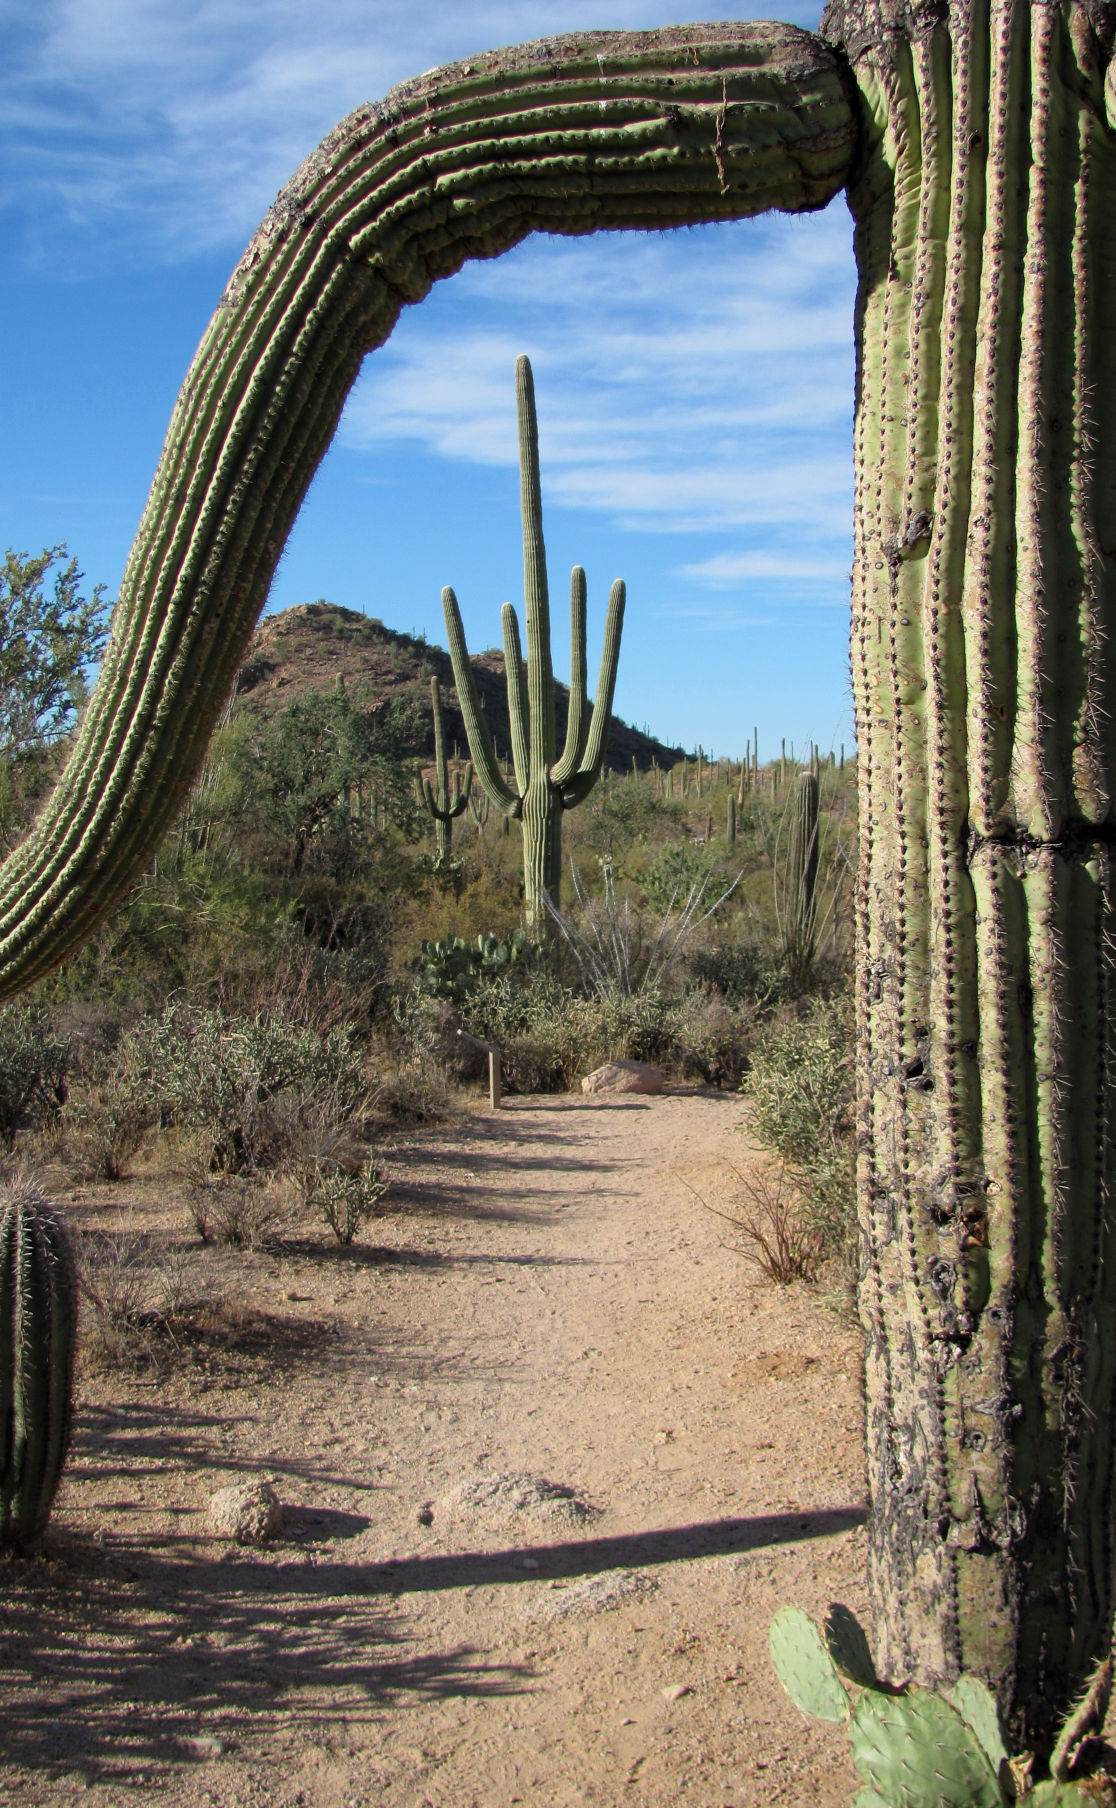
[248,1513]
[528,1563]
[624,1076]
[204,1745]
[424,1516]
[674,1691]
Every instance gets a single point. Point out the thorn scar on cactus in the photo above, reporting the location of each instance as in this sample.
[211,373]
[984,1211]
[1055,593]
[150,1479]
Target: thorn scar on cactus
[544,785]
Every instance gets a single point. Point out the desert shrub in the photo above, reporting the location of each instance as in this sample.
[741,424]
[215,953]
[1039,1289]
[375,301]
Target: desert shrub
[800,1091]
[346,1201]
[709,1038]
[135,1298]
[749,972]
[241,1079]
[103,1124]
[775,1232]
[34,1063]
[676,869]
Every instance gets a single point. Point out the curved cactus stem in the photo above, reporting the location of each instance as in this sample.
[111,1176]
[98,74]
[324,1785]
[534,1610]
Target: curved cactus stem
[517,695]
[592,759]
[574,134]
[577,725]
[479,735]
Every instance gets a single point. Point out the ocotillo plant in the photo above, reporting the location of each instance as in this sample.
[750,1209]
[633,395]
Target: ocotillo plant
[37,1324]
[545,786]
[975,139]
[446,795]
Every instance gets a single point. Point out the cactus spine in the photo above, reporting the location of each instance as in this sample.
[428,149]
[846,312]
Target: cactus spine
[544,785]
[38,1313]
[446,795]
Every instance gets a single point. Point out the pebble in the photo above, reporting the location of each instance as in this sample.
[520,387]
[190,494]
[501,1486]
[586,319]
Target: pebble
[674,1691]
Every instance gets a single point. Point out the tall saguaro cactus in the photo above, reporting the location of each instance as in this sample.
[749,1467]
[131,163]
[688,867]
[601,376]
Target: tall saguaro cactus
[984,605]
[445,797]
[544,784]
[977,142]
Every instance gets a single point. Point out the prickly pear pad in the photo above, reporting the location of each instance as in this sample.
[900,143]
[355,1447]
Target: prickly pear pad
[917,1752]
[804,1666]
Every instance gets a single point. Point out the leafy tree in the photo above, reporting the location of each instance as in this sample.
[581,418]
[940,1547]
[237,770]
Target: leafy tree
[51,636]
[321,776]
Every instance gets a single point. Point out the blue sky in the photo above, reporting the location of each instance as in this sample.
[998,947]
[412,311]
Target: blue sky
[694,389]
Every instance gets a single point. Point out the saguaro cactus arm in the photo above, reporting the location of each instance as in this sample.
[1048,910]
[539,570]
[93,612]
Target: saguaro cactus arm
[592,758]
[518,707]
[577,726]
[479,735]
[572,134]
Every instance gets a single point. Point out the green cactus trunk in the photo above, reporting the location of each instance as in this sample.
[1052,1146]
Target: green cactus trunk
[38,1314]
[798,883]
[983,618]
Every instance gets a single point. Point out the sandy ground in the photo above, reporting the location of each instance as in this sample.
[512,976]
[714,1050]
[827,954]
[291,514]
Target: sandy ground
[546,1299]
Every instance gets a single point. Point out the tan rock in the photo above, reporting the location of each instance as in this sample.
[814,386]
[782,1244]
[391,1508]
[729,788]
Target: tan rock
[624,1076]
[248,1513]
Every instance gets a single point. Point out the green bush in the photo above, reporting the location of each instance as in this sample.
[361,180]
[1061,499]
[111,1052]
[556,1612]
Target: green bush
[799,1087]
[34,1064]
[243,1079]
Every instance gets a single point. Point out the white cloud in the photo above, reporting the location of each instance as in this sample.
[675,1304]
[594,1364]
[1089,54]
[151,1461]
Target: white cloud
[686,383]
[170,124]
[726,569]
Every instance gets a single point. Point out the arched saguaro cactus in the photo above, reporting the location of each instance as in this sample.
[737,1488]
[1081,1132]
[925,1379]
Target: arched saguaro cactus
[980,161]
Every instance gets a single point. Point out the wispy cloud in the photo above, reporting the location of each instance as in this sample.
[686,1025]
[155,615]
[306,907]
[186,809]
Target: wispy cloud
[686,383]
[170,124]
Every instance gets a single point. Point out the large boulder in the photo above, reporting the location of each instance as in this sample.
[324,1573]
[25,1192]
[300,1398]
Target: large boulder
[624,1076]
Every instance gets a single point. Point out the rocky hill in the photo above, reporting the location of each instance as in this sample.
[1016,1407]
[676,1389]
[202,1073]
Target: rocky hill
[305,648]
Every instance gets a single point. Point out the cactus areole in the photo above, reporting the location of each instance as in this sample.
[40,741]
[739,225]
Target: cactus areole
[978,155]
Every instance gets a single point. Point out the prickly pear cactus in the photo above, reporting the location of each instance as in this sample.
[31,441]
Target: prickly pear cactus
[916,1748]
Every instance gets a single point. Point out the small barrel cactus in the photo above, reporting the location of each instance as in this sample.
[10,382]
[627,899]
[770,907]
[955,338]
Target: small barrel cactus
[38,1315]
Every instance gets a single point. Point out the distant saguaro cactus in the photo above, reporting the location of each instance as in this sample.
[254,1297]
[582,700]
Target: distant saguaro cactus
[446,795]
[545,786]
[38,1315]
[796,882]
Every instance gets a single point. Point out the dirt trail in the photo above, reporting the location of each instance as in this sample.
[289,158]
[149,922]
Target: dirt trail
[548,1299]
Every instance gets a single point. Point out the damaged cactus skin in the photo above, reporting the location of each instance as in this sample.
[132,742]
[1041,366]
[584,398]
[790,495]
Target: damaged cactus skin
[984,606]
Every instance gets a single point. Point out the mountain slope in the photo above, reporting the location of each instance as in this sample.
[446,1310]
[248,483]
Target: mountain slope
[308,647]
